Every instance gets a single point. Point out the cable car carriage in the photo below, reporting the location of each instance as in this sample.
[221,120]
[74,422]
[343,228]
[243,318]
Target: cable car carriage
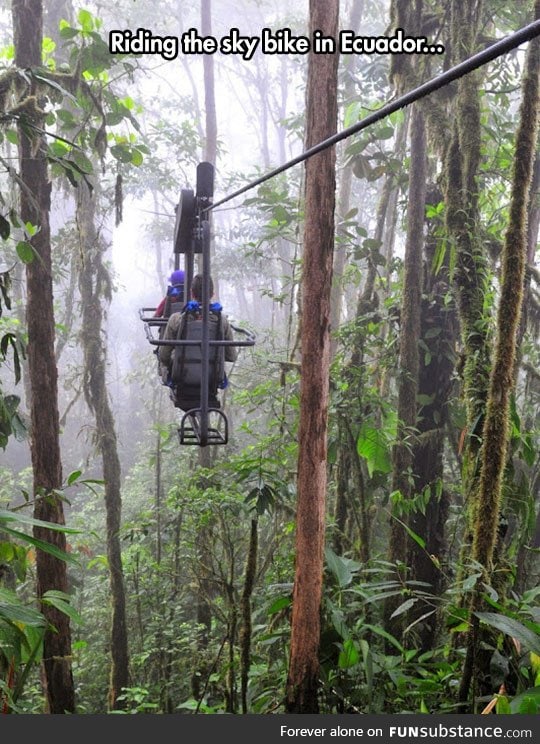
[198,359]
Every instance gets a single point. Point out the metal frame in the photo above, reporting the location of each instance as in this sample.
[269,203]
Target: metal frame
[192,235]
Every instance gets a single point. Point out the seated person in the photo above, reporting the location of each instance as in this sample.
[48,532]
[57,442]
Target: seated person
[182,364]
[175,294]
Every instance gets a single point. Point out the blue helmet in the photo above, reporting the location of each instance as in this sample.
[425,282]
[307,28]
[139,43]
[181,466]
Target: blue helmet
[177,277]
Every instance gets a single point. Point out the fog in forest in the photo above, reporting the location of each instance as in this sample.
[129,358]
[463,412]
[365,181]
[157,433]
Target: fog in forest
[429,203]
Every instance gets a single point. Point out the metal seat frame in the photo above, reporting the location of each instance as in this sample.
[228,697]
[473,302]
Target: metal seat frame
[192,235]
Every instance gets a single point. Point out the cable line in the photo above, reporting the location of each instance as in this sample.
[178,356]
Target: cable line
[497,49]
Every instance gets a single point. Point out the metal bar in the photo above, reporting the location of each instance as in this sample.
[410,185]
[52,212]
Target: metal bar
[205,347]
[189,260]
[190,342]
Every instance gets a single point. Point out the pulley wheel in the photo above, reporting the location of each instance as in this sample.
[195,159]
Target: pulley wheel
[205,181]
[185,221]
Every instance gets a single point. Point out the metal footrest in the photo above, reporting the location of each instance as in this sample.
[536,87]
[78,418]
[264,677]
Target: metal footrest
[191,431]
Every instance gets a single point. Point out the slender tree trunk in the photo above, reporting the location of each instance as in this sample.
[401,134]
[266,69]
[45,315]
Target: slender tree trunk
[409,339]
[434,384]
[210,117]
[94,288]
[526,557]
[206,454]
[205,584]
[349,464]
[210,141]
[345,185]
[43,374]
[245,610]
[302,682]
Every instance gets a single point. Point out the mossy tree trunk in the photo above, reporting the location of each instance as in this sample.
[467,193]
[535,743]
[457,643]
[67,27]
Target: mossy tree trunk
[321,104]
[245,611]
[45,427]
[461,196]
[526,558]
[94,285]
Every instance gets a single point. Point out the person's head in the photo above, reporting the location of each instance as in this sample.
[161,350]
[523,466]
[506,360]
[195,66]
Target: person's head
[177,277]
[197,287]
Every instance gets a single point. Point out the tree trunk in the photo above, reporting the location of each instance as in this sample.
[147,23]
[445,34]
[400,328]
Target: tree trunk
[210,141]
[205,584]
[349,464]
[434,383]
[245,610]
[302,682]
[409,339]
[462,161]
[345,185]
[94,287]
[210,118]
[43,374]
[526,557]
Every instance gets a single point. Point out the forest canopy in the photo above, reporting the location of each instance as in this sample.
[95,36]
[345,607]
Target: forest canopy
[367,540]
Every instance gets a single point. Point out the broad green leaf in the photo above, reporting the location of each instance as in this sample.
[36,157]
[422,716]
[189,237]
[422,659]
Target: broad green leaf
[404,607]
[352,113]
[512,628]
[66,117]
[128,102]
[12,609]
[72,477]
[528,450]
[113,118]
[7,552]
[349,655]
[385,132]
[62,602]
[503,706]
[526,702]
[67,32]
[46,547]
[25,251]
[86,20]
[279,604]
[136,157]
[373,446]
[381,632]
[342,568]
[82,161]
[368,663]
[438,258]
[121,153]
[59,149]
[9,516]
